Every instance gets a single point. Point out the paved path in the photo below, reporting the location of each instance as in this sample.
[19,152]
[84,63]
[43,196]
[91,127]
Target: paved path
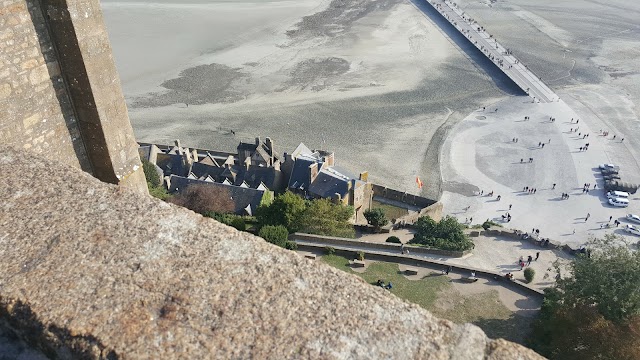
[495,254]
[480,155]
[497,53]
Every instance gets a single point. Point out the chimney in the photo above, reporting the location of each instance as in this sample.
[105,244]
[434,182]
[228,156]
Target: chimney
[269,144]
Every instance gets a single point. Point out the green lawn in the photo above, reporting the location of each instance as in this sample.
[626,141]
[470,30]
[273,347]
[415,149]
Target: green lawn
[390,212]
[484,310]
[422,292]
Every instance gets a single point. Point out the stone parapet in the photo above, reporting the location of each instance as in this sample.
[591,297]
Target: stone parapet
[93,270]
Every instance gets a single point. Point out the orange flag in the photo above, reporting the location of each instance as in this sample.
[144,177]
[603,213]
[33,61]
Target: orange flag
[419,182]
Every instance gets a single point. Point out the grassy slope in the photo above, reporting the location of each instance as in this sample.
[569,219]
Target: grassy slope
[436,294]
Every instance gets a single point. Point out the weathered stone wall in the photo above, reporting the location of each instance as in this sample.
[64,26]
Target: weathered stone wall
[400,196]
[92,270]
[36,110]
[59,90]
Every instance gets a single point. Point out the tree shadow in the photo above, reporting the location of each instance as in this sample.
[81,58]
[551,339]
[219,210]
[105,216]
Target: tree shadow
[516,328]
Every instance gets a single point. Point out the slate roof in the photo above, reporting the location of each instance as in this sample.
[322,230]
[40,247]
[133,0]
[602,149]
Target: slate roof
[300,174]
[202,169]
[241,197]
[272,178]
[328,183]
[171,164]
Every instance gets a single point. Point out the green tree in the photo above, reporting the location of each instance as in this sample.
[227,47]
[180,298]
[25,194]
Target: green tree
[323,217]
[277,235]
[286,209]
[593,312]
[447,234]
[151,174]
[376,217]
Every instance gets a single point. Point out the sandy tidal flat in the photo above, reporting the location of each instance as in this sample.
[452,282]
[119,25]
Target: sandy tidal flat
[375,81]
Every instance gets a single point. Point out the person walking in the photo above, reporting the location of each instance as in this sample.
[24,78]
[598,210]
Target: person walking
[554,186]
[574,231]
[510,206]
[610,218]
[529,260]
[587,217]
[537,255]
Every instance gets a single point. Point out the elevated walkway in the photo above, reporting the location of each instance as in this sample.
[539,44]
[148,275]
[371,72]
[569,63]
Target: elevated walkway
[498,54]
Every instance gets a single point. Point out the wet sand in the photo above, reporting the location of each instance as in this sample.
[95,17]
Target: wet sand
[379,82]
[375,81]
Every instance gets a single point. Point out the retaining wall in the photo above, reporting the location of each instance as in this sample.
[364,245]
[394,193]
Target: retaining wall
[412,260]
[338,242]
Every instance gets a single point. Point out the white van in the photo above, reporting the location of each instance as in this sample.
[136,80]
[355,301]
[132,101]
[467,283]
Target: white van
[618,194]
[619,202]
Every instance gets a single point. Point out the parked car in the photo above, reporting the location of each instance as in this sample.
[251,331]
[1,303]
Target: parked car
[632,230]
[617,194]
[619,202]
[609,166]
[606,172]
[612,177]
[634,218]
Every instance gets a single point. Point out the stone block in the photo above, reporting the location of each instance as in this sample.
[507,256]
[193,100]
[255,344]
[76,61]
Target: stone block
[411,272]
[31,121]
[5,91]
[39,75]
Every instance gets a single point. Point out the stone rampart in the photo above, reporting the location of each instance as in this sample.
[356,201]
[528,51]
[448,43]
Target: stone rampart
[395,195]
[336,241]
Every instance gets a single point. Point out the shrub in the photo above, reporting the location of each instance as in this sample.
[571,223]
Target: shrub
[239,223]
[393,239]
[277,235]
[486,225]
[291,245]
[361,255]
[158,192]
[376,217]
[330,250]
[529,273]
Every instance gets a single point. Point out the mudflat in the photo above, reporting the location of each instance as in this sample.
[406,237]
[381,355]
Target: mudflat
[375,81]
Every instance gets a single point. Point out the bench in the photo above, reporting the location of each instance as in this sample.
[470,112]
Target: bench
[310,256]
[411,272]
[358,263]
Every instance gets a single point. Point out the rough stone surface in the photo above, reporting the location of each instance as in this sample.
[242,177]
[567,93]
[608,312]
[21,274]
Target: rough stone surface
[97,270]
[60,93]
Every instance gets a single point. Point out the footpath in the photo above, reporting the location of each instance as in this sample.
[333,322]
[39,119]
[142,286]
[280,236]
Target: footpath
[417,257]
